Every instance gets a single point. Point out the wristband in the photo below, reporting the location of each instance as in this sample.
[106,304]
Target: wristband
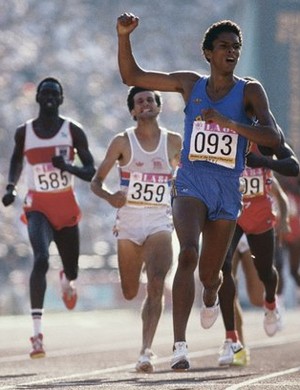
[12,188]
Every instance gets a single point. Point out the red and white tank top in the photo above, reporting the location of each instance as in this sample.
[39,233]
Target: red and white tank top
[40,173]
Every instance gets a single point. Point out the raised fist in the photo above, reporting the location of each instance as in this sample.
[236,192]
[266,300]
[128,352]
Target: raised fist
[126,23]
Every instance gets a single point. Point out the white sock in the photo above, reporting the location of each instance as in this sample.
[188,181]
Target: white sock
[36,315]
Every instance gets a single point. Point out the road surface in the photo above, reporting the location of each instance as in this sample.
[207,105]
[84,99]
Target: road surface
[98,350]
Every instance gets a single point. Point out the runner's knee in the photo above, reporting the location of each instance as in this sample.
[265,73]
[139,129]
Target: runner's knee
[188,258]
[129,293]
[41,263]
[155,287]
[267,275]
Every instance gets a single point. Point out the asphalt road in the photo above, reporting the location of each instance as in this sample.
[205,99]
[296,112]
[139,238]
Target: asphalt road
[98,350]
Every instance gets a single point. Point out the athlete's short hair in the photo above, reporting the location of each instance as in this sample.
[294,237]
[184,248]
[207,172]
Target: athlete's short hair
[134,90]
[50,80]
[213,32]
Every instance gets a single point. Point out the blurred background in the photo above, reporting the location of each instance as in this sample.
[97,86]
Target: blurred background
[75,41]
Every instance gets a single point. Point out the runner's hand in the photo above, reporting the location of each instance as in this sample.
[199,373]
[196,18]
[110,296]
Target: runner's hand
[255,161]
[126,23]
[59,162]
[10,195]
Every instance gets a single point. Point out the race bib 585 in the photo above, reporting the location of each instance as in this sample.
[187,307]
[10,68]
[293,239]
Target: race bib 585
[48,178]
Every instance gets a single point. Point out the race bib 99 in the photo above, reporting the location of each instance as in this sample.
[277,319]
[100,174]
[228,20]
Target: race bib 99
[253,183]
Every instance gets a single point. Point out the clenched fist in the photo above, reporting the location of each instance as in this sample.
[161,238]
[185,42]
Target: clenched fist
[59,162]
[10,195]
[126,23]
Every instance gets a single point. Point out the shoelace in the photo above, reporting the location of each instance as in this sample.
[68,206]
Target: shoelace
[37,343]
[226,348]
[272,315]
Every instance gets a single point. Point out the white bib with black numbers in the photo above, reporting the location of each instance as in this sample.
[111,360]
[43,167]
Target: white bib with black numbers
[48,178]
[148,189]
[254,182]
[212,143]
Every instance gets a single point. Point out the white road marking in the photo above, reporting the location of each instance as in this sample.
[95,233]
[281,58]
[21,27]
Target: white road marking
[263,378]
[207,352]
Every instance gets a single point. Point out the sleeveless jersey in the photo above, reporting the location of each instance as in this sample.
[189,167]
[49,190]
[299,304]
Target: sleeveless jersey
[50,190]
[41,175]
[147,176]
[258,214]
[207,145]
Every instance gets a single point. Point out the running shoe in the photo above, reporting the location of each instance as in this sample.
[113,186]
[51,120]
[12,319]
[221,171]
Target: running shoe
[272,321]
[227,352]
[145,362]
[69,294]
[180,359]
[37,347]
[208,315]
[242,357]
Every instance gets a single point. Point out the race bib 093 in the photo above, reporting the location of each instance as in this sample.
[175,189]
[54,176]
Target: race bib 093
[212,143]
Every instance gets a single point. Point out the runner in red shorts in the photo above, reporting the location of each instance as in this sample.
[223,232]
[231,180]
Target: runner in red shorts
[47,145]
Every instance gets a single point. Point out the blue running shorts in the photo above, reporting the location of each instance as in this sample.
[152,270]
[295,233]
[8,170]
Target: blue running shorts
[219,191]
